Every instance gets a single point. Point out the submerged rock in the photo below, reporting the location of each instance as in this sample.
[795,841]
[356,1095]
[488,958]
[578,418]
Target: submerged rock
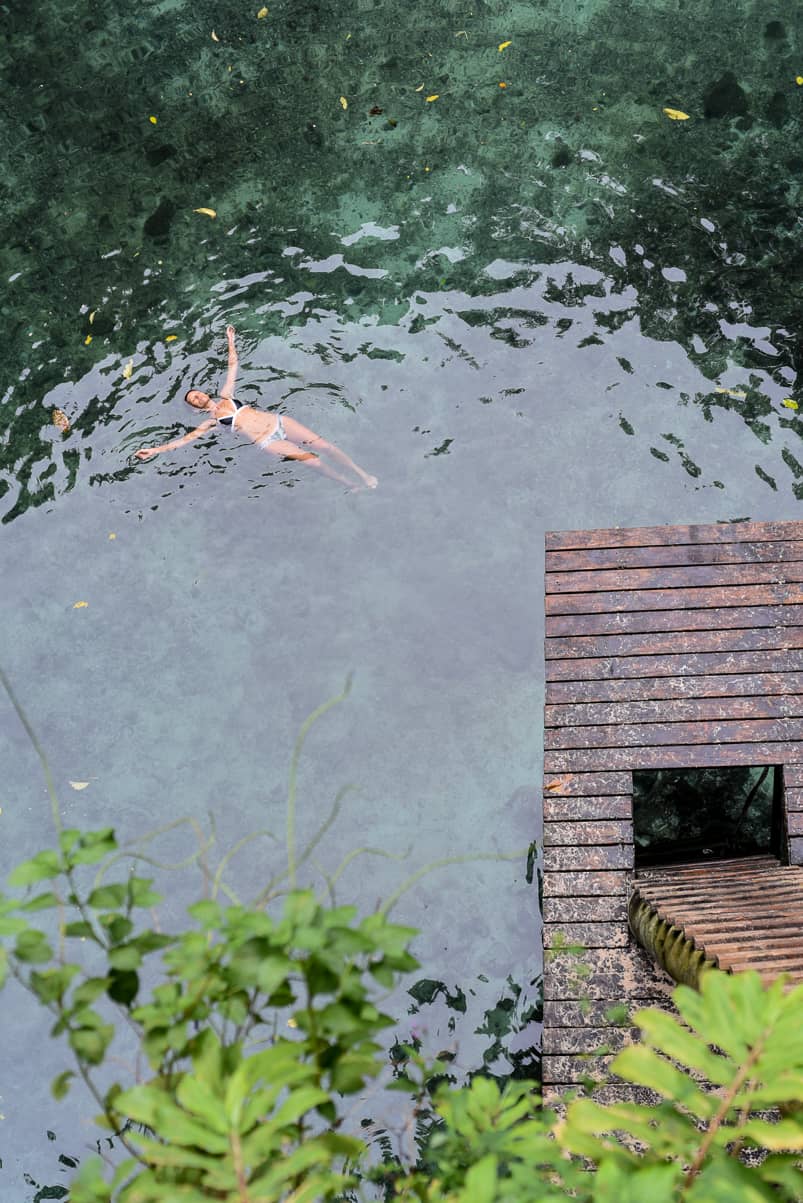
[726,98]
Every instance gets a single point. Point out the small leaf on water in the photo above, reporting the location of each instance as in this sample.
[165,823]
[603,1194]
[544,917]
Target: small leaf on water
[215,38]
[263,12]
[92,316]
[80,605]
[434,96]
[112,535]
[344,104]
[502,85]
[87,340]
[206,212]
[128,370]
[790,403]
[60,420]
[799,80]
[420,88]
[503,46]
[560,785]
[171,338]
[676,115]
[153,120]
[79,784]
[732,392]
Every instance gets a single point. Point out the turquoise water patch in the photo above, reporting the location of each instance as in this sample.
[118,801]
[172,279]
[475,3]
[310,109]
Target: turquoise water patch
[540,305]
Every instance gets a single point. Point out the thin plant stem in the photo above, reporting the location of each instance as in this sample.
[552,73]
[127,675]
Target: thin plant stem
[40,752]
[216,883]
[388,905]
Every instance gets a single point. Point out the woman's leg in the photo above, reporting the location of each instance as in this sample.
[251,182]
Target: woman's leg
[282,449]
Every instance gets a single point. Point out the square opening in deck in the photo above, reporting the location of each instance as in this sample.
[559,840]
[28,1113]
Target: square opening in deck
[706,814]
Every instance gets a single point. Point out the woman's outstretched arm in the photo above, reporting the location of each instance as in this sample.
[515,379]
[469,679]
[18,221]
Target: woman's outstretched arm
[231,374]
[303,437]
[149,452]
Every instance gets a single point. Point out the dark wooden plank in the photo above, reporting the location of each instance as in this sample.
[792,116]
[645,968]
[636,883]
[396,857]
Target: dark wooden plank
[592,559]
[658,688]
[655,643]
[636,621]
[616,806]
[670,757]
[585,1038]
[690,576]
[584,885]
[597,1014]
[794,825]
[695,664]
[587,784]
[793,776]
[796,850]
[794,801]
[568,1070]
[674,599]
[673,710]
[585,910]
[587,935]
[608,856]
[647,735]
[654,536]
[558,834]
[611,974]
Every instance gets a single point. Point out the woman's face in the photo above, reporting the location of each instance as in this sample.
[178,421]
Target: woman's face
[197,399]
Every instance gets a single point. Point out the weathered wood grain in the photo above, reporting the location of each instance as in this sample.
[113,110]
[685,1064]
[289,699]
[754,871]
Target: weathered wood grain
[793,776]
[589,935]
[615,806]
[687,576]
[794,826]
[645,735]
[613,975]
[670,756]
[609,856]
[674,599]
[595,832]
[598,1013]
[655,536]
[566,1070]
[585,910]
[655,643]
[794,798]
[587,784]
[795,850]
[673,710]
[776,552]
[624,622]
[695,664]
[585,1038]
[658,688]
[588,884]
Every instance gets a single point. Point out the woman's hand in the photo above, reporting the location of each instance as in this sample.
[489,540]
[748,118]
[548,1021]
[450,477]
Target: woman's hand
[146,453]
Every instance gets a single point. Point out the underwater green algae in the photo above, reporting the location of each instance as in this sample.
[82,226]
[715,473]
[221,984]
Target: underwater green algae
[694,223]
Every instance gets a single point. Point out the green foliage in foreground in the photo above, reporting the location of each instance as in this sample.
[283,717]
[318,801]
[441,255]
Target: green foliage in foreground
[259,1029]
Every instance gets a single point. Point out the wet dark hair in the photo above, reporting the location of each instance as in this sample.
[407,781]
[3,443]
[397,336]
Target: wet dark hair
[194,389]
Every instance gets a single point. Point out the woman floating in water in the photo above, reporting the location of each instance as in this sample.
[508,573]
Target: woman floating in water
[282,437]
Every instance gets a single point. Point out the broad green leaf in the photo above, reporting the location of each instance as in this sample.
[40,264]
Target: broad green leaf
[786,1136]
[39,868]
[665,1033]
[108,897]
[644,1067]
[93,846]
[197,1097]
[51,984]
[32,947]
[480,1184]
[80,930]
[41,902]
[140,892]
[125,957]
[12,927]
[151,1106]
[86,993]
[207,913]
[90,1044]
[61,1084]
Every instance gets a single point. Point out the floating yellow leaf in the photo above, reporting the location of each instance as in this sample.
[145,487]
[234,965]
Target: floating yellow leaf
[790,403]
[502,85]
[799,80]
[112,535]
[79,784]
[503,46]
[171,338]
[87,340]
[153,120]
[263,12]
[60,420]
[206,212]
[92,316]
[128,369]
[676,115]
[215,38]
[80,605]
[292,1023]
[732,392]
[420,88]
[344,104]
[434,96]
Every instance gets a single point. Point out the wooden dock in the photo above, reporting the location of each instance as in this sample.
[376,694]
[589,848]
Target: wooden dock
[666,647]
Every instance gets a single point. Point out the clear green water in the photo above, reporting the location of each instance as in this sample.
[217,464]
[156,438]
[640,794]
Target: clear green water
[514,305]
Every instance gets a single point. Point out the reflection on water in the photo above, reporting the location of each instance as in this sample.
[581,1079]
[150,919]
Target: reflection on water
[543,304]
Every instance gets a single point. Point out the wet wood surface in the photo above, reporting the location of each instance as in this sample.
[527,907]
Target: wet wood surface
[623,622]
[666,555]
[655,536]
[674,756]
